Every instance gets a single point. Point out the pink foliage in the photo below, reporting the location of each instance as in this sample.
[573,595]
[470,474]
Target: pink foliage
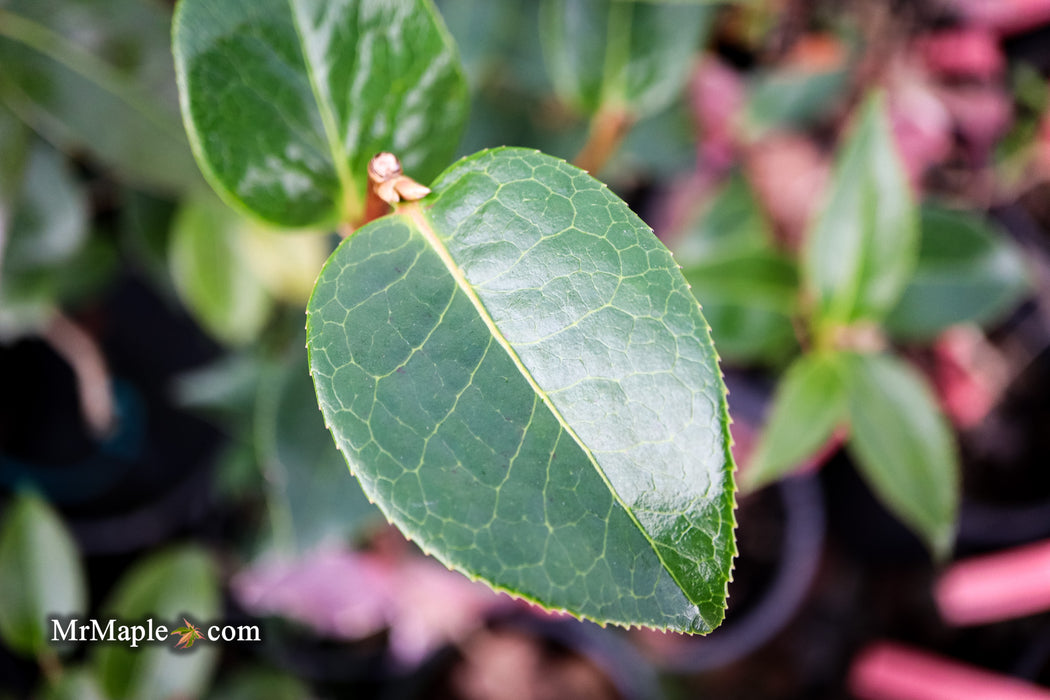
[789,174]
[1005,16]
[888,671]
[717,97]
[971,52]
[968,375]
[996,586]
[920,122]
[351,595]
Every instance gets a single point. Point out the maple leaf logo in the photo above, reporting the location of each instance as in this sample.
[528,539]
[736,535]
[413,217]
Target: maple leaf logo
[189,635]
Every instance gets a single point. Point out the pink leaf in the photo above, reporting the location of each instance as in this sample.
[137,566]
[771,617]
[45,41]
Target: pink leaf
[887,671]
[997,586]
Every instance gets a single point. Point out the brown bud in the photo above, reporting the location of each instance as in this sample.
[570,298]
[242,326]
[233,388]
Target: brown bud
[384,167]
[389,184]
[409,189]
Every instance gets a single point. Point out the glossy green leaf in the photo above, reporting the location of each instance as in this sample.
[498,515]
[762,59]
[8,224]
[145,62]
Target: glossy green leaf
[40,575]
[810,403]
[604,54]
[903,446]
[96,76]
[286,101]
[968,272]
[518,374]
[211,275]
[166,587]
[310,498]
[861,251]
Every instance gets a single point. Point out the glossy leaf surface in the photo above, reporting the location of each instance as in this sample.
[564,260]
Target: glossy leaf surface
[40,575]
[967,272]
[810,403]
[862,249]
[286,101]
[167,587]
[620,55]
[903,446]
[519,376]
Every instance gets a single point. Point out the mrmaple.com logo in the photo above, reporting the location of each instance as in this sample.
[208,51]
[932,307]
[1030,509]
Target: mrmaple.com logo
[76,630]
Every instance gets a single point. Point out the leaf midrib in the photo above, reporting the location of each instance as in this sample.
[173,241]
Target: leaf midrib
[348,206]
[413,212]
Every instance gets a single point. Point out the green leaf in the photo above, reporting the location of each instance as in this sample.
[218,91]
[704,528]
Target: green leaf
[167,587]
[211,275]
[96,75]
[47,242]
[50,218]
[810,403]
[603,54]
[286,101]
[748,290]
[310,497]
[731,225]
[861,251]
[40,575]
[787,99]
[967,272]
[749,300]
[518,374]
[903,446]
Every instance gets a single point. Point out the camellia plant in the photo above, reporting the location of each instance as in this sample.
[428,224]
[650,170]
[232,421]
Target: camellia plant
[512,364]
[874,268]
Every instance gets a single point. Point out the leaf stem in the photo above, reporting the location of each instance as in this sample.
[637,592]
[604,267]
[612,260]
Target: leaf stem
[85,358]
[609,126]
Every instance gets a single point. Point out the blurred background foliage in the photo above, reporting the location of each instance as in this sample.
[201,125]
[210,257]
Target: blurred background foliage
[161,452]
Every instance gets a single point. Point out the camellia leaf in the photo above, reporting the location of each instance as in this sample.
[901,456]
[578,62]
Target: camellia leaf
[167,587]
[967,272]
[620,55]
[40,575]
[519,376]
[903,445]
[286,101]
[211,274]
[862,249]
[810,403]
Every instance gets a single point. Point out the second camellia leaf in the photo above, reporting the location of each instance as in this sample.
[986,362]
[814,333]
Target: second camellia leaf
[518,374]
[286,101]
